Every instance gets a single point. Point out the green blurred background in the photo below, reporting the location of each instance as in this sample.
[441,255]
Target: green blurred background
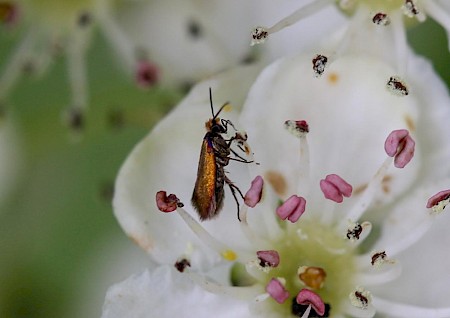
[58,236]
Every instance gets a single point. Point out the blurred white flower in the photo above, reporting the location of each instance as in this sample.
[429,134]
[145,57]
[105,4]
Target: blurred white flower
[157,42]
[293,259]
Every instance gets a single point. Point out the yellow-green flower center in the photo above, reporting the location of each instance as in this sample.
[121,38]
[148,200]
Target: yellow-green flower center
[312,254]
[312,244]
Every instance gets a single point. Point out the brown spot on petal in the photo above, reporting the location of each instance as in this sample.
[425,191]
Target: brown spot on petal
[410,123]
[385,184]
[143,242]
[333,78]
[277,181]
[360,189]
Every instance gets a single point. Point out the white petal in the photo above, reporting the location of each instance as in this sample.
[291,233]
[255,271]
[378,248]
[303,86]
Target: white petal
[349,111]
[394,309]
[301,36]
[427,260]
[165,292]
[409,220]
[167,160]
[432,128]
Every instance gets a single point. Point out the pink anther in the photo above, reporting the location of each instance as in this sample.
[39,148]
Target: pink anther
[277,291]
[147,74]
[253,195]
[438,197]
[268,258]
[308,297]
[335,188]
[400,145]
[292,209]
[167,203]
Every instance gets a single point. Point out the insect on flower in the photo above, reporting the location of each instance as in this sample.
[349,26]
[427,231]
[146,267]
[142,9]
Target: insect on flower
[208,194]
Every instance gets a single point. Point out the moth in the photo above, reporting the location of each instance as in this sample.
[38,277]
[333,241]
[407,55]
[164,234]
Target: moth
[208,194]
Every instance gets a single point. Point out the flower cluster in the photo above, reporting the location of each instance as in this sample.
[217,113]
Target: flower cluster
[346,153]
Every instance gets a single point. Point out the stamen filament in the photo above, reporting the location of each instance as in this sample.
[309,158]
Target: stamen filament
[368,195]
[399,33]
[380,277]
[14,66]
[226,252]
[301,13]
[77,70]
[242,293]
[118,39]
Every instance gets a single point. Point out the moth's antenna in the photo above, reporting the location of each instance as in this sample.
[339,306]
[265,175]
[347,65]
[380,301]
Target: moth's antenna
[212,108]
[211,103]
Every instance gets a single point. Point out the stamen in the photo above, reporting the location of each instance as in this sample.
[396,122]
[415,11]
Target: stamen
[396,139]
[167,203]
[254,194]
[319,62]
[358,232]
[277,291]
[118,39]
[360,298]
[182,264]
[380,258]
[381,19]
[381,276]
[292,209]
[401,45]
[300,129]
[147,74]
[171,203]
[74,118]
[14,65]
[76,61]
[439,201]
[243,293]
[313,277]
[260,34]
[308,297]
[400,145]
[84,19]
[410,10]
[335,188]
[269,258]
[397,86]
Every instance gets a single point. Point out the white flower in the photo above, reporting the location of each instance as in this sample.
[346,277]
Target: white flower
[390,14]
[305,254]
[156,42]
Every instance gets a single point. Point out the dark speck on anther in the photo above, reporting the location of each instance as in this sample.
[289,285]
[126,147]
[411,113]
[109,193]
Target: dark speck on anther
[75,119]
[194,28]
[181,265]
[84,19]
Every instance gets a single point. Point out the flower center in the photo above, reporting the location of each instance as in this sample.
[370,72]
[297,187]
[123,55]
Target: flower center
[313,256]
